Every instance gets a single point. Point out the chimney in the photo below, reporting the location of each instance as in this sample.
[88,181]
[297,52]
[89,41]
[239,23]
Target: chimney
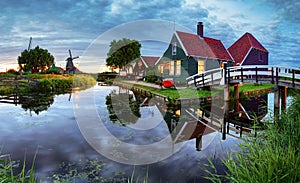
[200,29]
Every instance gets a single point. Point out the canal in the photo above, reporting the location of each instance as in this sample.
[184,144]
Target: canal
[107,133]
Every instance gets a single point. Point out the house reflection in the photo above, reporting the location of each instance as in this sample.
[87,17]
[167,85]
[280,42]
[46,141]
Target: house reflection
[187,120]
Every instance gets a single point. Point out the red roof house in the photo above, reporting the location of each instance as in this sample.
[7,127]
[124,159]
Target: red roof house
[190,54]
[139,68]
[247,50]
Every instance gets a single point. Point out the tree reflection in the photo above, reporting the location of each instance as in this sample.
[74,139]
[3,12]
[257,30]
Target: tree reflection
[36,103]
[123,107]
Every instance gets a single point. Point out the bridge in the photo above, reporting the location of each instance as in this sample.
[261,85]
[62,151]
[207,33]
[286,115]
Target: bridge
[281,76]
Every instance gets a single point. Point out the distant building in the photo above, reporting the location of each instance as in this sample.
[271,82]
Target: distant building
[144,63]
[247,50]
[190,54]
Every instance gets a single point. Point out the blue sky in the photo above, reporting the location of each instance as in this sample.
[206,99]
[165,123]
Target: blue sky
[59,25]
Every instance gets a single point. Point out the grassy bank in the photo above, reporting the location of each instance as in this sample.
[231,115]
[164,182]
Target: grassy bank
[273,156]
[49,83]
[173,93]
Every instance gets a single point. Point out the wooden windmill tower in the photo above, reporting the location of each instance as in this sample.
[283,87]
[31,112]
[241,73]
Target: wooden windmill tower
[70,65]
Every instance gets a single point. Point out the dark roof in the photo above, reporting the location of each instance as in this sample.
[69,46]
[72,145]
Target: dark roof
[149,60]
[241,47]
[194,45]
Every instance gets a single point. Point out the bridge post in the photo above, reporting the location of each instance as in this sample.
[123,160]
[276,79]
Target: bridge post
[236,92]
[276,103]
[277,97]
[283,91]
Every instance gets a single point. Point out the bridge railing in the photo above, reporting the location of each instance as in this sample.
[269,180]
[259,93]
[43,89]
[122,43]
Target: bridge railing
[211,77]
[251,73]
[261,73]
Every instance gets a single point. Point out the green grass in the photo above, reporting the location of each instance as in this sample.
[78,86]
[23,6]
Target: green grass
[273,156]
[171,92]
[248,87]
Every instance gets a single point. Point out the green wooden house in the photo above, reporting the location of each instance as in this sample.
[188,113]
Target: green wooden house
[189,54]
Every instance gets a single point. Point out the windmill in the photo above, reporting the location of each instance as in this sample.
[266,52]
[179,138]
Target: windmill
[70,65]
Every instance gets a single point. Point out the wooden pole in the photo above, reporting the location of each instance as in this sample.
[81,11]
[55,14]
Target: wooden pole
[283,97]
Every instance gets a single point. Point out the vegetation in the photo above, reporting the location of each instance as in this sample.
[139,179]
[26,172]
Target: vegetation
[8,171]
[248,87]
[273,156]
[47,83]
[122,52]
[35,60]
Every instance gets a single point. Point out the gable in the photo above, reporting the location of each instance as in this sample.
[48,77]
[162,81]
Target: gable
[242,47]
[149,60]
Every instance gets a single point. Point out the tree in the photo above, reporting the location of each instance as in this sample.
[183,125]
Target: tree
[35,60]
[122,52]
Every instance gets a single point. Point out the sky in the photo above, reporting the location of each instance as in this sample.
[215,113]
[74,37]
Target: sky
[87,26]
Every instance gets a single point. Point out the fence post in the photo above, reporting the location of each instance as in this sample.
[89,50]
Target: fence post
[277,75]
[242,74]
[293,78]
[203,79]
[272,75]
[228,75]
[256,79]
[212,79]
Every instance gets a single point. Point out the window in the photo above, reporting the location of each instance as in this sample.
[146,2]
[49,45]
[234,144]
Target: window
[201,67]
[178,67]
[161,69]
[174,48]
[260,56]
[171,68]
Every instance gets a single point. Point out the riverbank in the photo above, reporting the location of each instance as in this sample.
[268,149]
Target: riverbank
[246,90]
[10,84]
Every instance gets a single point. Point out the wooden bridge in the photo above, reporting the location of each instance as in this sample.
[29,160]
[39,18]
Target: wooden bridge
[281,76]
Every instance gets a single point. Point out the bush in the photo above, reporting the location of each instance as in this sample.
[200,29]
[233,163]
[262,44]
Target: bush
[153,79]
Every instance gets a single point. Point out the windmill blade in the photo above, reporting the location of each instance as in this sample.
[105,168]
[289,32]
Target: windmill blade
[75,57]
[70,53]
[29,45]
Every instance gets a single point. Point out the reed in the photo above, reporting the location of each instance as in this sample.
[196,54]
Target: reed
[8,170]
[273,156]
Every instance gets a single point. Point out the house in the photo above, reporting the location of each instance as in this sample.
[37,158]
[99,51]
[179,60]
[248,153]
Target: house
[247,50]
[140,67]
[189,54]
[72,70]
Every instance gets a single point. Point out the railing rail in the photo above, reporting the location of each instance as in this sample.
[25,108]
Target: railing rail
[279,75]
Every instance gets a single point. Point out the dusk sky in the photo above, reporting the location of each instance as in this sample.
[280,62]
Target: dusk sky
[59,25]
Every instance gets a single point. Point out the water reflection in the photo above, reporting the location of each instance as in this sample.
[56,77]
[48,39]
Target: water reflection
[60,141]
[36,102]
[190,119]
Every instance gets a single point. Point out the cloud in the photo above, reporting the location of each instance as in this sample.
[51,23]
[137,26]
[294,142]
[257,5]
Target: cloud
[288,10]
[61,25]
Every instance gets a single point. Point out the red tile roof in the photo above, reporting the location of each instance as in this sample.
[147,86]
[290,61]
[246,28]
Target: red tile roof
[194,45]
[149,60]
[203,47]
[218,48]
[241,47]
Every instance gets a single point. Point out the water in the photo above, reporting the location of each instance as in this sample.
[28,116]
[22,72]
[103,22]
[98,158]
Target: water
[63,148]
